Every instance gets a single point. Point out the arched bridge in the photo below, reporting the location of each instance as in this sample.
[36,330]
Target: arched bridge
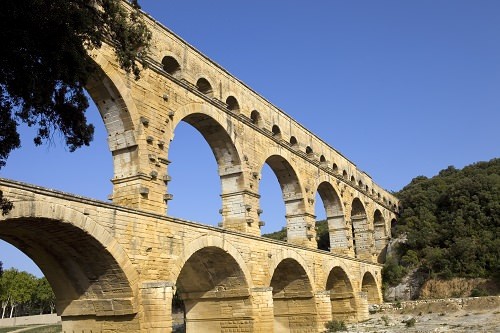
[120,267]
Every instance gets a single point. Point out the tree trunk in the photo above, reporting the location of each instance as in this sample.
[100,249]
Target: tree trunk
[11,310]
[4,307]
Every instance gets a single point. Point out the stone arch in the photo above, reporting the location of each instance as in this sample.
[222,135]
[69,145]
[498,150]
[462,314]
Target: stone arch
[361,232]
[210,241]
[215,291]
[117,108]
[219,132]
[293,298]
[296,217]
[233,104]
[335,216]
[342,296]
[276,131]
[204,86]
[370,287]
[293,141]
[309,150]
[87,268]
[171,65]
[380,235]
[256,118]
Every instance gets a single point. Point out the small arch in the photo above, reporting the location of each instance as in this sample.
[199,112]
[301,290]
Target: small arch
[255,118]
[360,184]
[276,131]
[335,168]
[309,150]
[390,203]
[378,195]
[293,298]
[353,180]
[369,286]
[293,141]
[204,86]
[232,104]
[344,174]
[322,159]
[171,65]
[367,189]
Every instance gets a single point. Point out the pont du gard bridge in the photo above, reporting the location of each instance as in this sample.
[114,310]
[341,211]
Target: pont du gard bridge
[126,266]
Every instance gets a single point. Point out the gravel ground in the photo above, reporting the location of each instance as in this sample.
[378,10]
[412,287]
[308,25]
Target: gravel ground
[460,321]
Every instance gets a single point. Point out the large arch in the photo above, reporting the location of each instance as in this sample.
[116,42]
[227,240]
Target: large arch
[293,298]
[117,108]
[361,231]
[87,268]
[337,229]
[342,296]
[298,228]
[215,292]
[218,131]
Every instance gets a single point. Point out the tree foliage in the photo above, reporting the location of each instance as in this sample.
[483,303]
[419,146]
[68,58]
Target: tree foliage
[45,64]
[321,233]
[22,293]
[452,222]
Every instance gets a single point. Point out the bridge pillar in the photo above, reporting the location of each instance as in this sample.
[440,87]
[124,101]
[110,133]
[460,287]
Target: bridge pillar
[156,300]
[343,306]
[363,238]
[239,212]
[362,306]
[301,230]
[338,231]
[218,313]
[323,308]
[263,310]
[140,192]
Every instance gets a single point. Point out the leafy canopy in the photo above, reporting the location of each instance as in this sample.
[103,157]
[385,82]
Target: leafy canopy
[452,222]
[45,64]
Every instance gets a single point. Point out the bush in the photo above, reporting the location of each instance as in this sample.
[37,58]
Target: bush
[410,322]
[478,292]
[335,326]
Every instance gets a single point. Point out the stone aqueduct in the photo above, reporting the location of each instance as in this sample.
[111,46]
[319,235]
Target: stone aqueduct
[116,267]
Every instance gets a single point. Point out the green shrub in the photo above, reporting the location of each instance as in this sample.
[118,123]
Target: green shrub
[478,292]
[335,326]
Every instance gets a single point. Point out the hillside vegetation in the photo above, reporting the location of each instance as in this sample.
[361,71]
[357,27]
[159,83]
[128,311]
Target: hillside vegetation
[451,223]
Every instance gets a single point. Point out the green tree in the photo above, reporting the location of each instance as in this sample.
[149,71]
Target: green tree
[17,288]
[43,296]
[45,65]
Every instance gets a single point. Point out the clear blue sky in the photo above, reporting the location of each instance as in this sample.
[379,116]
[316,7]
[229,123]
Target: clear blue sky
[401,88]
